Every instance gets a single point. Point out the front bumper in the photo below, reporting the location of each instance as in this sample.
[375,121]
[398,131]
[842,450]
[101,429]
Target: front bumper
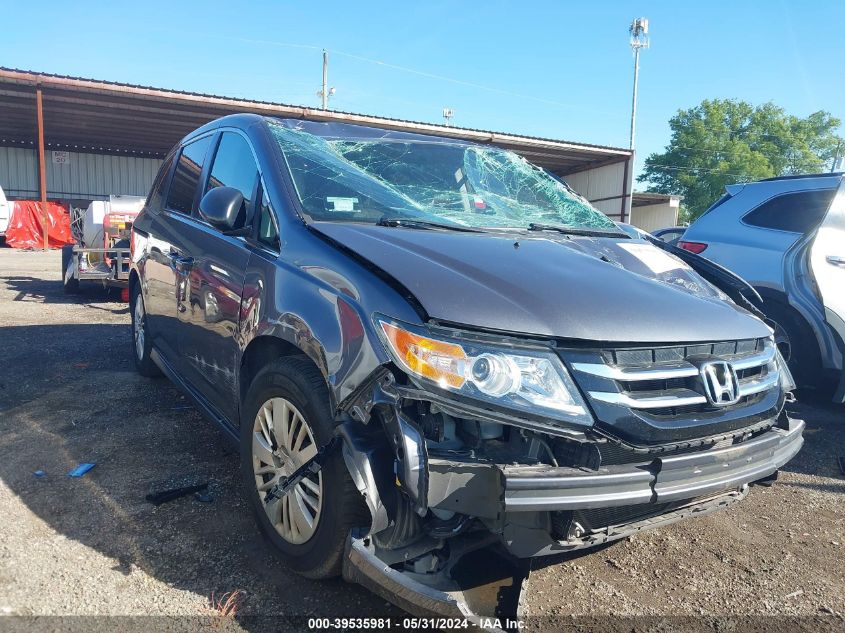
[491,490]
[662,480]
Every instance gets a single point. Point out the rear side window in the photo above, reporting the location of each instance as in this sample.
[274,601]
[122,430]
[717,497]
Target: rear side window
[180,198]
[796,212]
[156,196]
[234,166]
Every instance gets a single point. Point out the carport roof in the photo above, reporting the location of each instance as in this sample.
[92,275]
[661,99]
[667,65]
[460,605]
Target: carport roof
[110,117]
[645,198]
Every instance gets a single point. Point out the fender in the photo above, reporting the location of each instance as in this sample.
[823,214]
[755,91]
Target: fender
[314,305]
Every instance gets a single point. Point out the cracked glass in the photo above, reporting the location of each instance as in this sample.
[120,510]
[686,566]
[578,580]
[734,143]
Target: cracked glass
[374,179]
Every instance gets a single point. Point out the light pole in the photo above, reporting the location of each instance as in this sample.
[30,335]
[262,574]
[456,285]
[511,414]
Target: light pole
[639,40]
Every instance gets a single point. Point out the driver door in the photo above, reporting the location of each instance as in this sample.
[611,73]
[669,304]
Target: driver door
[214,281]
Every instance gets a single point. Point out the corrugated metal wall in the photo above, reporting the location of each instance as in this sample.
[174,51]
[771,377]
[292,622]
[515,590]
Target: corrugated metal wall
[82,176]
[18,172]
[603,186]
[651,217]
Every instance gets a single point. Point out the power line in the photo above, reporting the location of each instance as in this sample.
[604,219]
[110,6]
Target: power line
[696,169]
[406,69]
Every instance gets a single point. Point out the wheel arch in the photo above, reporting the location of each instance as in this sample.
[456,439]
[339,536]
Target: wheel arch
[781,300]
[263,350]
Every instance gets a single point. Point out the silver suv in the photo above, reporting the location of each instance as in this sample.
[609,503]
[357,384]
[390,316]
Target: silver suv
[786,237]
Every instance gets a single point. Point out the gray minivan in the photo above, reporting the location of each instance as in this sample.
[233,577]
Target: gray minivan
[786,237]
[439,361]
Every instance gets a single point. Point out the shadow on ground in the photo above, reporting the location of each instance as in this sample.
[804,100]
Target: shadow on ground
[69,394]
[50,291]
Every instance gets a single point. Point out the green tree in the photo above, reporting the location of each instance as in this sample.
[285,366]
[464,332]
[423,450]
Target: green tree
[724,141]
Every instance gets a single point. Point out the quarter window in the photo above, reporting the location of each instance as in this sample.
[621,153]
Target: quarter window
[796,212]
[268,234]
[180,198]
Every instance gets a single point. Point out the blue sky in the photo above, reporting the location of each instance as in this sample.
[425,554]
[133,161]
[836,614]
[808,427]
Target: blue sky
[553,69]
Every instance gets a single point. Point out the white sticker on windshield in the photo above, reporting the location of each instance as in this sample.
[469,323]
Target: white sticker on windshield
[657,261]
[342,204]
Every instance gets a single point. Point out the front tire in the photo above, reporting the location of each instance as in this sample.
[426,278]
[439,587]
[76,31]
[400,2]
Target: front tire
[286,419]
[141,342]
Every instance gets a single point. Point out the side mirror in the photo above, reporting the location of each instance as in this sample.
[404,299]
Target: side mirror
[221,206]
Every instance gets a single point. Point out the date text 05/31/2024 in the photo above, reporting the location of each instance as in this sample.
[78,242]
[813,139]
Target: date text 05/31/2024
[411,623]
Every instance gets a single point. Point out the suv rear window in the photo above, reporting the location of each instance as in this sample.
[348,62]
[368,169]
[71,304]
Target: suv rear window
[180,198]
[796,212]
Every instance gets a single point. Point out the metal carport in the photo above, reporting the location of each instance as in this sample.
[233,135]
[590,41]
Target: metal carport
[111,135]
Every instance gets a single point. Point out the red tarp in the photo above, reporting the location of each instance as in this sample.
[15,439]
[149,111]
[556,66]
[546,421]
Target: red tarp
[26,228]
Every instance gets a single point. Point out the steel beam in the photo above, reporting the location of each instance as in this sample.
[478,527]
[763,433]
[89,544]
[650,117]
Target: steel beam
[42,168]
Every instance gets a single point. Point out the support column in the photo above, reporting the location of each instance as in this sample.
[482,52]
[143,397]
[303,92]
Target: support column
[627,190]
[42,168]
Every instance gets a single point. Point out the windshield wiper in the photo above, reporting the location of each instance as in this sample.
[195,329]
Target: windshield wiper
[424,224]
[568,230]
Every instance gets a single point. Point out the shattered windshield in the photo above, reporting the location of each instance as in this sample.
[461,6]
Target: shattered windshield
[445,182]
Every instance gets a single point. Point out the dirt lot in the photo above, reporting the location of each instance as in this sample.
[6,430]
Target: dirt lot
[94,546]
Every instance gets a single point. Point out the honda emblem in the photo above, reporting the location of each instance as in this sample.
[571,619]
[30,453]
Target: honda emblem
[720,383]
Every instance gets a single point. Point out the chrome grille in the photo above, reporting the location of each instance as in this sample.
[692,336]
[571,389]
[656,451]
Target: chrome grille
[663,380]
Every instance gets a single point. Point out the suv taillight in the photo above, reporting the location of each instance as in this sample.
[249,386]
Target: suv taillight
[692,247]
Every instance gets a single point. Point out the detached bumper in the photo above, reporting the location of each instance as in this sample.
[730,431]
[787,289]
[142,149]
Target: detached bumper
[663,479]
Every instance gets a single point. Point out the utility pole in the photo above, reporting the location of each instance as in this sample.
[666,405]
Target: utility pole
[325,91]
[639,40]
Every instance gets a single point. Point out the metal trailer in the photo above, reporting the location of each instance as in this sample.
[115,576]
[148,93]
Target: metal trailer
[102,252]
[111,270]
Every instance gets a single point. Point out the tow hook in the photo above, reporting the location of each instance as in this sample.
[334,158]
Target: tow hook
[313,465]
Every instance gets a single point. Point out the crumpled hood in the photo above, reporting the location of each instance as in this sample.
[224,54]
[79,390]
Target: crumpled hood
[593,289]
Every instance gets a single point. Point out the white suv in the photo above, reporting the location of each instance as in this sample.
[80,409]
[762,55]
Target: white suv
[786,237]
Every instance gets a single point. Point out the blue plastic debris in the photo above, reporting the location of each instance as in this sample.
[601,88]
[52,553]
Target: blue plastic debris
[204,497]
[80,470]
[39,473]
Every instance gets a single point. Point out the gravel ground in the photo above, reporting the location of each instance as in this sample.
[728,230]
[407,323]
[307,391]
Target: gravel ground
[94,546]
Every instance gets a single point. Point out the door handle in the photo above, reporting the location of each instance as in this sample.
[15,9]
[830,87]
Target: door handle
[181,262]
[836,260]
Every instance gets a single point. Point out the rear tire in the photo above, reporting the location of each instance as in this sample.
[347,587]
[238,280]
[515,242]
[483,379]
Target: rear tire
[141,341]
[316,552]
[71,286]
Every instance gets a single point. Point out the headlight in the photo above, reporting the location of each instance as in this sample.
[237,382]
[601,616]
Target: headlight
[529,380]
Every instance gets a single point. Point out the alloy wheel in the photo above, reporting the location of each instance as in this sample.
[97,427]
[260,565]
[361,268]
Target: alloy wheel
[138,327]
[281,442]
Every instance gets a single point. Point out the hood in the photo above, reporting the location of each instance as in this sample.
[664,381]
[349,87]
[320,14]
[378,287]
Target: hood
[593,289]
